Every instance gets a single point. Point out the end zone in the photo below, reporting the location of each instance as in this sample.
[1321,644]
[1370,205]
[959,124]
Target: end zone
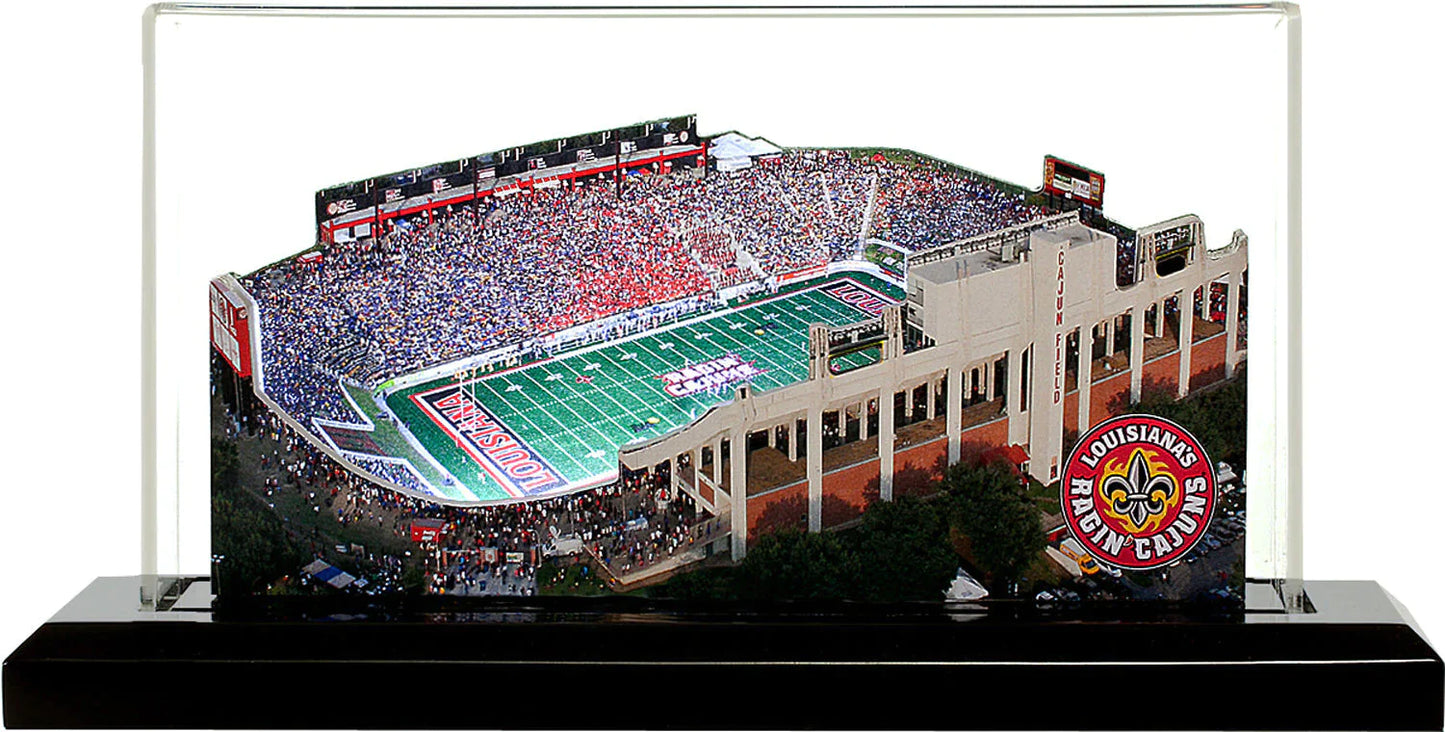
[518,468]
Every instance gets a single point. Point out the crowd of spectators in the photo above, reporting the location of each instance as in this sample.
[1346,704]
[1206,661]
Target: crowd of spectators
[1219,308]
[462,280]
[1127,262]
[926,204]
[626,526]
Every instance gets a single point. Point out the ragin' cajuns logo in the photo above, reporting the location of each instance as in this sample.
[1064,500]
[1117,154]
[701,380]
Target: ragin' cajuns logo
[708,375]
[510,461]
[1138,492]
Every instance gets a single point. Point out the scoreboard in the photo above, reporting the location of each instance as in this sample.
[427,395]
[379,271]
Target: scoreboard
[1066,180]
[1171,244]
[1166,242]
[230,328]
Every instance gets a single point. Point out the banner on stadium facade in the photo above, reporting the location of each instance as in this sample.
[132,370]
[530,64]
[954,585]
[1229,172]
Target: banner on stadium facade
[439,178]
[230,328]
[807,273]
[344,199]
[585,151]
[390,194]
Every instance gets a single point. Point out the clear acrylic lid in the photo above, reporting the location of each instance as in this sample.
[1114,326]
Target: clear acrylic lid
[251,110]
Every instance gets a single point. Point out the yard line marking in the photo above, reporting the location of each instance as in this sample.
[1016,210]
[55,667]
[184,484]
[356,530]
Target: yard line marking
[573,395]
[541,432]
[626,412]
[642,383]
[782,350]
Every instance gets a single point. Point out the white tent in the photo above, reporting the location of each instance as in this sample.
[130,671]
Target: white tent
[964,588]
[734,151]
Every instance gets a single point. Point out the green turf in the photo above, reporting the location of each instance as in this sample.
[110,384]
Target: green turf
[390,438]
[577,425]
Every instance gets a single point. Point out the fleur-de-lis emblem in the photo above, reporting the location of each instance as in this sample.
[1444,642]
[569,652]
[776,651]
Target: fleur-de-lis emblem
[1139,493]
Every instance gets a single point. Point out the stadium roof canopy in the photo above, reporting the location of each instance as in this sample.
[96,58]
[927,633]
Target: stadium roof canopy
[734,151]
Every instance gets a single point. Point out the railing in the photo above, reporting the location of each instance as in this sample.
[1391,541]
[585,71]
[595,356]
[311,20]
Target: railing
[993,239]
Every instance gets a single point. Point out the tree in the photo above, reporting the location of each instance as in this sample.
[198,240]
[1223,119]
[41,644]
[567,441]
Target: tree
[1216,417]
[254,542]
[706,584]
[987,504]
[791,565]
[902,553]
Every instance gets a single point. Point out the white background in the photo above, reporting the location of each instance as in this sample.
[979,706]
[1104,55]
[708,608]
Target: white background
[69,305]
[1199,130]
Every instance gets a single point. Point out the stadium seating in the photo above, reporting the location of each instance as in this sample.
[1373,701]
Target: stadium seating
[470,279]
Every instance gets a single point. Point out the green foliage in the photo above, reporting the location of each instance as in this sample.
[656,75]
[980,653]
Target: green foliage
[713,583]
[987,504]
[792,565]
[576,578]
[413,579]
[1216,417]
[902,552]
[254,542]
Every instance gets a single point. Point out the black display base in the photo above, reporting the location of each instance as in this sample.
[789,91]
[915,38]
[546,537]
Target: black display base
[1354,662]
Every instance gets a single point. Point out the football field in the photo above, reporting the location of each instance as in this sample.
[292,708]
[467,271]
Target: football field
[555,425]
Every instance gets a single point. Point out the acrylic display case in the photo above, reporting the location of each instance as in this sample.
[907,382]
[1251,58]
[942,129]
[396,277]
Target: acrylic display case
[486,412]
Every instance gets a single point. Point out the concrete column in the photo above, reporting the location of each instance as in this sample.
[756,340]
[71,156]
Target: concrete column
[1109,335]
[1018,428]
[1136,354]
[885,444]
[739,473]
[675,470]
[931,401]
[717,461]
[815,468]
[953,408]
[697,469]
[863,419]
[1085,381]
[1231,324]
[1186,340]
[987,375]
[772,436]
[908,406]
[792,428]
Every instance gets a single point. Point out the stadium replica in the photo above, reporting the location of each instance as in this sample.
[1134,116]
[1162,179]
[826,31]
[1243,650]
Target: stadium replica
[644,405]
[567,348]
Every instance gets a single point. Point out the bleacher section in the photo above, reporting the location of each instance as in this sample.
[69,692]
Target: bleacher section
[508,270]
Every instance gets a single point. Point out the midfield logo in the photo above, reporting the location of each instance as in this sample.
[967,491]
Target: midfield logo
[709,375]
[514,464]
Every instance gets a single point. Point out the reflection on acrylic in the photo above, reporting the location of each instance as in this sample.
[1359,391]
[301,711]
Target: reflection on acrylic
[648,361]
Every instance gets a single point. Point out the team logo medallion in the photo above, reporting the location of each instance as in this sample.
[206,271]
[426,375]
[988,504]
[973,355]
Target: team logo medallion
[1138,492]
